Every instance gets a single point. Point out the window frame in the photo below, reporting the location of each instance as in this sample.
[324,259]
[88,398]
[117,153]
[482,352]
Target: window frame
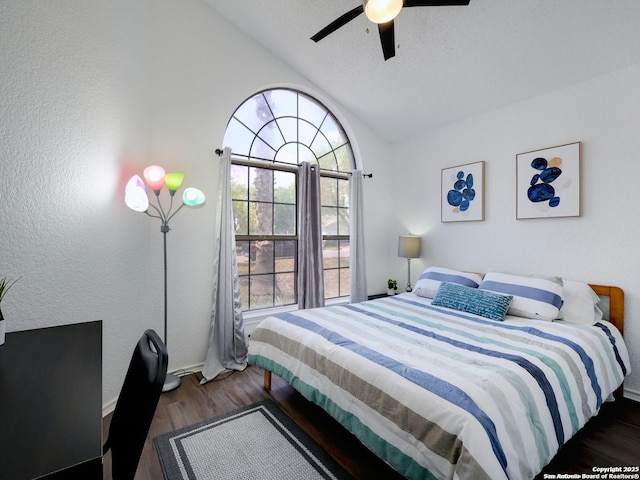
[248,160]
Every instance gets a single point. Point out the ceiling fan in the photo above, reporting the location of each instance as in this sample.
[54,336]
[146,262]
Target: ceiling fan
[382,12]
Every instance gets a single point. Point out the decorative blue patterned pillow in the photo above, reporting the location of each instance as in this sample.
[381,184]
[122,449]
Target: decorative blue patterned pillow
[471,300]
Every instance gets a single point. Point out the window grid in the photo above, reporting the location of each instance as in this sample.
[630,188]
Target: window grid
[267,258]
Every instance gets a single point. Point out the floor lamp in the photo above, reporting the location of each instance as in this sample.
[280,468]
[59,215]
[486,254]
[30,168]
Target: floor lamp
[409,247]
[137,199]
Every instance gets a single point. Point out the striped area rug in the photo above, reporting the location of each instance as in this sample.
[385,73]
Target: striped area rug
[256,442]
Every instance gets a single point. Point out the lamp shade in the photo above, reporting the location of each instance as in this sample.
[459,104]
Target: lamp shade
[173,180]
[134,182]
[382,11]
[192,197]
[154,176]
[135,195]
[409,246]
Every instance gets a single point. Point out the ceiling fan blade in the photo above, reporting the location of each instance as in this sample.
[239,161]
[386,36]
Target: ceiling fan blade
[337,23]
[387,39]
[434,3]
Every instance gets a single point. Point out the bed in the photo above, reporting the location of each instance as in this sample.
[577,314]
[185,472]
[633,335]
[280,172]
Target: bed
[437,388]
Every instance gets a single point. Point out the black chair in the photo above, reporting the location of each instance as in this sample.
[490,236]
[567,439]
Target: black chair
[136,405]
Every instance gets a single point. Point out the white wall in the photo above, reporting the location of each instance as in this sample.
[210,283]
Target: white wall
[92,92]
[601,246]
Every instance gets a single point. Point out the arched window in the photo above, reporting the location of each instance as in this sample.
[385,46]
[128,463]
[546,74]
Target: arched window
[270,134]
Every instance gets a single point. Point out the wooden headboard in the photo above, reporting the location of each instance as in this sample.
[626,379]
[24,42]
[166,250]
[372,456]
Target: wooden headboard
[616,303]
[616,314]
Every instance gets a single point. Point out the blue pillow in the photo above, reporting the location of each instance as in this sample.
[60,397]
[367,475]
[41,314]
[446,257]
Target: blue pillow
[471,300]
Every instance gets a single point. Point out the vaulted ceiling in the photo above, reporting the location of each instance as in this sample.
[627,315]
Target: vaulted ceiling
[451,63]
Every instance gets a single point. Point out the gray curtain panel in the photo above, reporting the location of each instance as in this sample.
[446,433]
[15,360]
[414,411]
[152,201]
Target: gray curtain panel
[357,263]
[310,274]
[227,340]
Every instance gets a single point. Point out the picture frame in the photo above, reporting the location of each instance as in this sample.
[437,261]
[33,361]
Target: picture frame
[548,182]
[462,193]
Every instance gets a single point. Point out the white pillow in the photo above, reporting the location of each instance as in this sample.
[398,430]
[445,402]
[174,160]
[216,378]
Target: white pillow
[430,280]
[539,298]
[580,304]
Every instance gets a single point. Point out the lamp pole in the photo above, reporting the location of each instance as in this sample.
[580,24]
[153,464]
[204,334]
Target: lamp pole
[172,381]
[137,199]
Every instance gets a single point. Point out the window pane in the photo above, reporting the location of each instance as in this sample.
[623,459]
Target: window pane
[260,218]
[284,189]
[289,128]
[260,150]
[305,154]
[345,253]
[343,154]
[343,193]
[245,253]
[320,146]
[284,219]
[239,182]
[306,132]
[343,221]
[345,286]
[241,217]
[331,283]
[328,191]
[311,111]
[261,291]
[284,103]
[261,187]
[244,293]
[329,221]
[285,293]
[254,112]
[285,255]
[264,257]
[288,154]
[333,132]
[328,162]
[271,135]
[239,136]
[330,254]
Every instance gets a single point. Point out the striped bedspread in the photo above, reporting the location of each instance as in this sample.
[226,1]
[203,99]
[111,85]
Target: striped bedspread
[443,394]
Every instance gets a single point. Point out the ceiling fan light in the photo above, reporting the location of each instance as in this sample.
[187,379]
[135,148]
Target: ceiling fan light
[382,11]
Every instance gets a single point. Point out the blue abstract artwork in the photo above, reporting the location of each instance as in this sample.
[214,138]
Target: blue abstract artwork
[462,193]
[541,189]
[548,182]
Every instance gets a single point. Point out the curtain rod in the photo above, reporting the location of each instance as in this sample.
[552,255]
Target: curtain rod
[367,175]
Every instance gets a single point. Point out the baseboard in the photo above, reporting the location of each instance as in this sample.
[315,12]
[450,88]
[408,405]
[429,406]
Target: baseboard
[110,406]
[632,394]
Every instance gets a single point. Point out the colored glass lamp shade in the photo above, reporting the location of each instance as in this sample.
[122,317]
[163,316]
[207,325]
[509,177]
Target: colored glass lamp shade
[192,197]
[382,11]
[173,181]
[154,176]
[135,195]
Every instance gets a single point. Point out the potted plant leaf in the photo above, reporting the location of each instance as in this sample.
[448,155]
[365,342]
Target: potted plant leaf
[392,286]
[5,285]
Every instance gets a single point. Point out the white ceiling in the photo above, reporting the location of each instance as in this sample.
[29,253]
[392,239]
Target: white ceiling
[452,62]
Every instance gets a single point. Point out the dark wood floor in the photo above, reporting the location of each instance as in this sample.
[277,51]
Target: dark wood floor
[611,439]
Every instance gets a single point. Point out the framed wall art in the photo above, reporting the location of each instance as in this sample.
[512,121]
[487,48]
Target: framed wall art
[462,193]
[548,182]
